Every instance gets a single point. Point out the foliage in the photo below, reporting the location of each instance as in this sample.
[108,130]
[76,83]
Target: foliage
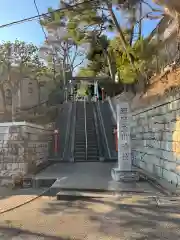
[97,55]
[126,54]
[86,72]
[61,43]
[83,88]
[85,24]
[18,60]
[141,52]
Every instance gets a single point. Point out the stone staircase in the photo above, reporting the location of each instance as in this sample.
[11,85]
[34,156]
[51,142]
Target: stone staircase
[80,139]
[86,147]
[92,147]
[109,124]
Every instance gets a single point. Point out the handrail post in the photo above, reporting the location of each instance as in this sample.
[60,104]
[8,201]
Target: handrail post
[85,125]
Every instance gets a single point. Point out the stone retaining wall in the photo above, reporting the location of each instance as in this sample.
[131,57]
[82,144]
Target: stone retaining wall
[155,139]
[23,147]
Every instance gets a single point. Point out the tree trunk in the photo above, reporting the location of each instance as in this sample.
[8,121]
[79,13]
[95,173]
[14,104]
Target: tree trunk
[170,4]
[140,20]
[133,23]
[39,93]
[178,37]
[13,108]
[112,74]
[14,89]
[121,35]
[3,98]
[131,36]
[13,111]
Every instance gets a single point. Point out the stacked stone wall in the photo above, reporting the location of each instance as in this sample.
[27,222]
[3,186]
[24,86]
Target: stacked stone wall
[155,139]
[23,147]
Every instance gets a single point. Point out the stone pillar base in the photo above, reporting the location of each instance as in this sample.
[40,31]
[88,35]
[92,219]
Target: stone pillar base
[101,159]
[126,176]
[72,159]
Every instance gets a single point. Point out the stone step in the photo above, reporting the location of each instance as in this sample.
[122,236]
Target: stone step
[92,145]
[80,139]
[92,156]
[80,142]
[90,153]
[79,195]
[79,153]
[80,147]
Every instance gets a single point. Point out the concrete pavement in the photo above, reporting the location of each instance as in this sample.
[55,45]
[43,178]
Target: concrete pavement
[139,212]
[123,218]
[90,176]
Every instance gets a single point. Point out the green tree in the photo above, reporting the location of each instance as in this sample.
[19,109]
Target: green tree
[141,52]
[83,89]
[87,20]
[167,7]
[100,59]
[19,58]
[86,72]
[66,50]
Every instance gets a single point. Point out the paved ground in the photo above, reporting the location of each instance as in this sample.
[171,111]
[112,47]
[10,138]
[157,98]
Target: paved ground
[10,198]
[129,216]
[89,176]
[123,218]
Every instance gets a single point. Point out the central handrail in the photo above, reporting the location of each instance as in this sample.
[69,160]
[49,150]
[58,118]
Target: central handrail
[85,125]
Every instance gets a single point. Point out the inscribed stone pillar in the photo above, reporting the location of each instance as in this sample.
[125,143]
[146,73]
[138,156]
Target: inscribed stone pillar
[124,143]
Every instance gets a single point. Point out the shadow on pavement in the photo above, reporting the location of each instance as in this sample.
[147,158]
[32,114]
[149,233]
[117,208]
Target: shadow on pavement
[138,220]
[11,233]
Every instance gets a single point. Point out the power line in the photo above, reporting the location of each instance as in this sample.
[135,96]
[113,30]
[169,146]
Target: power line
[44,14]
[53,59]
[35,4]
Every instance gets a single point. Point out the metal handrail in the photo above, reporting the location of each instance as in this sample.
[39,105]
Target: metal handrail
[73,132]
[103,128]
[85,125]
[97,132]
[67,131]
[112,109]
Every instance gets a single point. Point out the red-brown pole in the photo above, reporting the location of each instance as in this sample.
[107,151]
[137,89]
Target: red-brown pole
[56,134]
[102,90]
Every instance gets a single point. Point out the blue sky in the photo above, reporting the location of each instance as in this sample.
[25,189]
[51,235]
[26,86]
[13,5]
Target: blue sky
[31,31]
[15,10]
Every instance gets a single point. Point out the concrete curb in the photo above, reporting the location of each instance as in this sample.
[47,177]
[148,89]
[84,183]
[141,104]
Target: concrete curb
[161,185]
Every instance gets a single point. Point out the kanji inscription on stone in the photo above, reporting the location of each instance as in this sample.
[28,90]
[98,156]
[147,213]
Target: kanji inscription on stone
[124,146]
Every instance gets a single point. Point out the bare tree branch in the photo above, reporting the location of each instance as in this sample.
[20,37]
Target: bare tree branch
[79,63]
[152,9]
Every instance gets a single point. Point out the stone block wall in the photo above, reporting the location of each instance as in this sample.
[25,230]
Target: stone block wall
[23,147]
[155,136]
[155,139]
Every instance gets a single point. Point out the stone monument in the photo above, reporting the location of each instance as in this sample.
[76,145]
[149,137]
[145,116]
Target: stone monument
[124,172]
